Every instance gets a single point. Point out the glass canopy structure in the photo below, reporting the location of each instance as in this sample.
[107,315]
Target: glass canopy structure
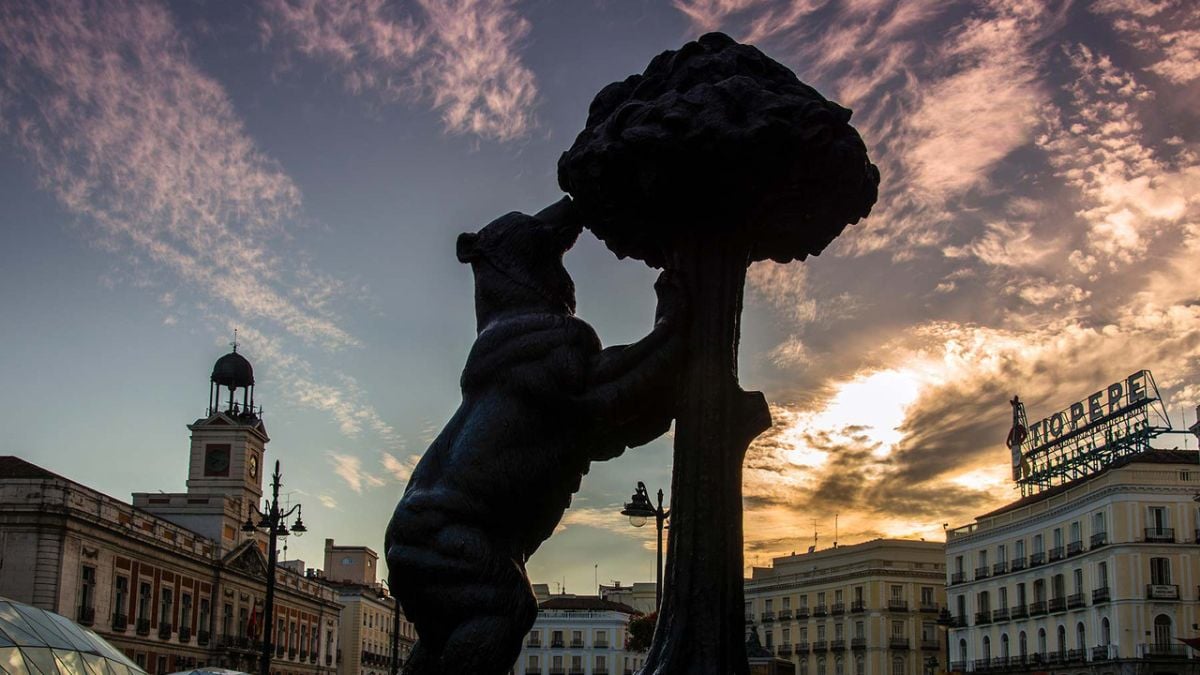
[38,642]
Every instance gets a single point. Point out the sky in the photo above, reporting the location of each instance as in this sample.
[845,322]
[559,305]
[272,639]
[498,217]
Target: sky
[299,170]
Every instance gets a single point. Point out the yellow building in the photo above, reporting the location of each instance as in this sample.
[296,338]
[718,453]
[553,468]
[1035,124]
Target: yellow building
[369,639]
[866,609]
[1097,575]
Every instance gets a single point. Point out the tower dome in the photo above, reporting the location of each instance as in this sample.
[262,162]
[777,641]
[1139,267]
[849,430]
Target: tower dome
[233,371]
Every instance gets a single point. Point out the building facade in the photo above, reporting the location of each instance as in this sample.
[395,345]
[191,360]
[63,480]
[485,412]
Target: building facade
[639,596]
[171,579]
[578,635]
[867,609]
[1098,575]
[370,638]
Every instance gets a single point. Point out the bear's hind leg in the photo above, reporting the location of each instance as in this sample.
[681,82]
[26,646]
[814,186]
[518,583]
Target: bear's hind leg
[421,662]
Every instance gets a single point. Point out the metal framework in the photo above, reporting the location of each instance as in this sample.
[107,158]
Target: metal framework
[1087,448]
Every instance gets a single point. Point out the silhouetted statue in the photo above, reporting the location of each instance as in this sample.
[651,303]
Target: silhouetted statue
[715,157]
[541,401]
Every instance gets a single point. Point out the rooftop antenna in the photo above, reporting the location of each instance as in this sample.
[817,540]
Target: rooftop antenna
[234,344]
[835,529]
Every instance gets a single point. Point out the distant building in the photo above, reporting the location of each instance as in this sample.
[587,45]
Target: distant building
[368,612]
[639,596]
[1097,575]
[578,635]
[170,580]
[866,609]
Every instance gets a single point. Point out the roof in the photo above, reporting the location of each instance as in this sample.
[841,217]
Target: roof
[15,467]
[233,370]
[33,640]
[587,602]
[1153,456]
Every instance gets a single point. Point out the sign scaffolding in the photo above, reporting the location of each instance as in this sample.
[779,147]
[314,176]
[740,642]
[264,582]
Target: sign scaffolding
[1087,435]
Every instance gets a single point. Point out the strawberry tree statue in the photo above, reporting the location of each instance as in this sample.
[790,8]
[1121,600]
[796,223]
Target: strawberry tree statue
[715,157]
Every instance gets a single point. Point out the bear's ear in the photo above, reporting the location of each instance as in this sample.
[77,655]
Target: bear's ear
[466,247]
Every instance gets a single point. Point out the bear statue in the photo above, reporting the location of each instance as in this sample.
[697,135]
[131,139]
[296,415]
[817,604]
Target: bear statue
[540,401]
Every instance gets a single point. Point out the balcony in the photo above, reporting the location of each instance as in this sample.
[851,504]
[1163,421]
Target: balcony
[1163,535]
[1076,655]
[1102,594]
[838,645]
[983,572]
[958,666]
[1075,601]
[576,644]
[1099,539]
[929,607]
[119,622]
[749,617]
[600,644]
[279,652]
[1164,651]
[821,610]
[185,634]
[87,615]
[858,606]
[858,643]
[982,665]
[1058,604]
[767,616]
[897,605]
[534,644]
[143,626]
[202,638]
[982,618]
[1018,612]
[1036,559]
[801,649]
[958,621]
[785,615]
[1017,564]
[1037,608]
[784,650]
[930,644]
[958,577]
[292,655]
[164,631]
[1104,653]
[1074,548]
[838,608]
[802,613]
[897,642]
[1000,614]
[1056,554]
[558,670]
[1000,567]
[1162,591]
[576,670]
[556,644]
[820,646]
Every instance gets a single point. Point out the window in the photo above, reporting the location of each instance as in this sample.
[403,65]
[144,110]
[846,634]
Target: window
[1038,546]
[984,604]
[185,611]
[1062,640]
[962,650]
[1079,580]
[1060,585]
[1002,600]
[1004,645]
[820,631]
[1019,549]
[164,607]
[601,663]
[897,665]
[203,624]
[770,636]
[839,667]
[837,597]
[1039,590]
[803,666]
[821,666]
[532,666]
[143,601]
[897,592]
[987,648]
[983,558]
[87,587]
[820,599]
[859,666]
[1023,645]
[787,636]
[1102,575]
[556,663]
[227,620]
[787,602]
[1076,533]
[577,663]
[928,631]
[858,593]
[600,639]
[769,604]
[1160,571]
[898,629]
[1058,538]
[838,631]
[1158,520]
[1021,599]
[958,564]
[556,638]
[860,630]
[1001,553]
[804,633]
[927,596]
[804,602]
[120,595]
[1042,641]
[961,602]
[1098,525]
[1105,632]
[535,638]
[1080,636]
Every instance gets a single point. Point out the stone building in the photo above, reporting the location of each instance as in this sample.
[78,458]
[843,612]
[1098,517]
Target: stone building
[369,637]
[578,635]
[1098,575]
[171,579]
[866,609]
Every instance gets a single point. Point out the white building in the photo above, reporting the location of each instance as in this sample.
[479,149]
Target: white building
[578,635]
[640,595]
[866,609]
[1097,575]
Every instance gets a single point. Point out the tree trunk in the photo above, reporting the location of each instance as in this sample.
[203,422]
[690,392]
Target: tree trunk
[701,625]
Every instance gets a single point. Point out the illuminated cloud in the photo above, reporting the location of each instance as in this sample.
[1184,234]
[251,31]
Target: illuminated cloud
[350,469]
[461,56]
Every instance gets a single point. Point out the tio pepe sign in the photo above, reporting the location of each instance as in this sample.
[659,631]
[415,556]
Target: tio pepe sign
[1109,401]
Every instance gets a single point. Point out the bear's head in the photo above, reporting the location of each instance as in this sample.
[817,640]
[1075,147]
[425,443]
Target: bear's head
[517,262]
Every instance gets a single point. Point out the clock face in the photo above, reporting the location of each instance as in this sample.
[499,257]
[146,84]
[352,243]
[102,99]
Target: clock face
[253,466]
[347,561]
[216,460]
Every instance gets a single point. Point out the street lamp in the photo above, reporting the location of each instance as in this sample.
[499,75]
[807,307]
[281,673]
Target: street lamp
[639,509]
[272,522]
[394,669]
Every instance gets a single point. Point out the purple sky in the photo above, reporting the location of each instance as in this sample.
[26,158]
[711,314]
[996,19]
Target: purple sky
[299,170]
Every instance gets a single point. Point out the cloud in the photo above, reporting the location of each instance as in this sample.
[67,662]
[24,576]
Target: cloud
[146,148]
[349,468]
[401,470]
[327,501]
[459,56]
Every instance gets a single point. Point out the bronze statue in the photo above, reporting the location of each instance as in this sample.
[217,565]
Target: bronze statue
[541,401]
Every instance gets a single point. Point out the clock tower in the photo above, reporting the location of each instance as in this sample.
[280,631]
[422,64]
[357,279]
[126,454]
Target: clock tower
[225,462]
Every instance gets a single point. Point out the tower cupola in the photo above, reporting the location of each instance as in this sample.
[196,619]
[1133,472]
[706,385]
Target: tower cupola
[231,373]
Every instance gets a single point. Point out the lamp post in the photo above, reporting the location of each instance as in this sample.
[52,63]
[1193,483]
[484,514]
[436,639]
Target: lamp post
[639,509]
[272,522]
[394,668]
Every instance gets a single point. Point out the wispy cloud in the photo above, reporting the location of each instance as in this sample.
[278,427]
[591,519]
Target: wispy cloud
[460,56]
[350,469]
[147,150]
[400,469]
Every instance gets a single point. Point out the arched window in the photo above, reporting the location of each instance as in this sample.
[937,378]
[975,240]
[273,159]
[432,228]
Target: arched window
[987,648]
[804,665]
[839,666]
[962,651]
[1041,642]
[1004,645]
[1105,632]
[1080,637]
[1023,645]
[1062,640]
[821,666]
[1162,630]
[898,665]
[859,666]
